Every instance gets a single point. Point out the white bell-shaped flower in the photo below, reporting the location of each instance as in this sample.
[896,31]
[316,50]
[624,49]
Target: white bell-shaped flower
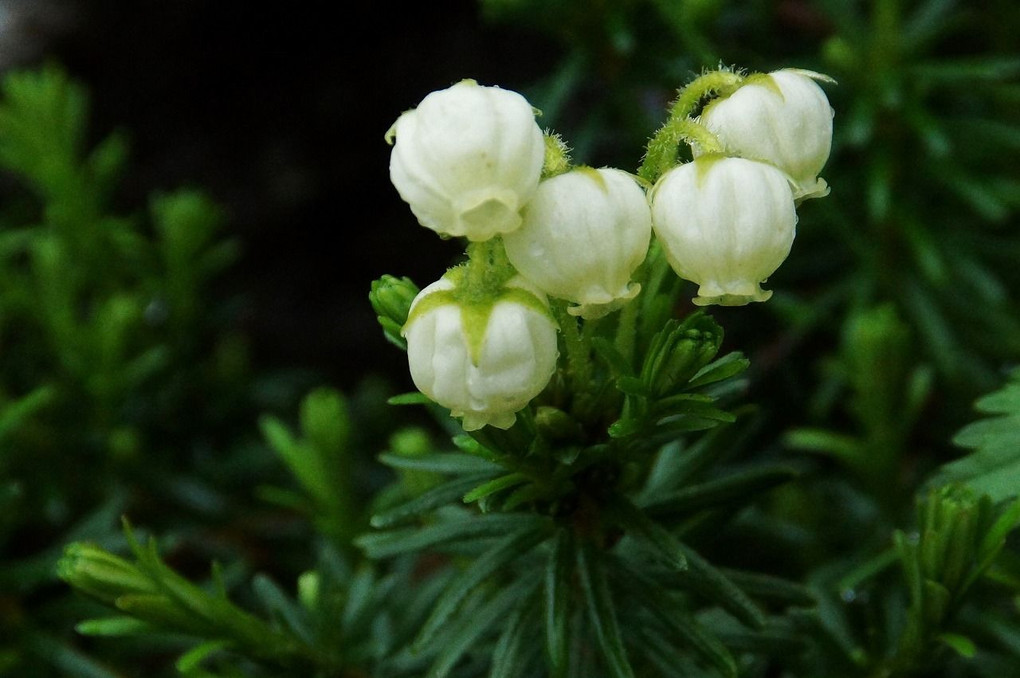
[467,159]
[584,234]
[483,360]
[725,224]
[782,118]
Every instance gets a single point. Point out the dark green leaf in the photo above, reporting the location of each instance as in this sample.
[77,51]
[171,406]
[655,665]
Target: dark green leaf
[449,463]
[612,357]
[558,588]
[359,596]
[676,622]
[470,628]
[771,588]
[283,608]
[470,527]
[602,611]
[706,580]
[440,495]
[489,564]
[742,486]
[638,525]
[728,366]
[495,485]
[512,652]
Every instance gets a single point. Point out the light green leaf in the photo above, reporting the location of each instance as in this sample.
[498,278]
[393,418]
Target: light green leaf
[193,658]
[113,626]
[963,645]
[993,465]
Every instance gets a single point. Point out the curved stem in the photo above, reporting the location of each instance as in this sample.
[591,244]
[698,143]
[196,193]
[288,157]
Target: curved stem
[661,153]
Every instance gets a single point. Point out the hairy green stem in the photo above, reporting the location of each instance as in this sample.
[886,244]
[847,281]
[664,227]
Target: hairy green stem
[578,348]
[661,152]
[486,271]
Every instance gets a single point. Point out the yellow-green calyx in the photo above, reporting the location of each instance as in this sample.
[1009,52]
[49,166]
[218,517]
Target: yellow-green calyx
[478,285]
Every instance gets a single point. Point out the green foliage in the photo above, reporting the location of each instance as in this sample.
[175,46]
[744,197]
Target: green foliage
[320,460]
[782,498]
[330,628]
[603,483]
[115,362]
[993,465]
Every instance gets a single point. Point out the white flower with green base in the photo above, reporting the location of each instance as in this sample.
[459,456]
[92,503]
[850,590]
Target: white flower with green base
[481,347]
[782,118]
[584,234]
[725,224]
[467,160]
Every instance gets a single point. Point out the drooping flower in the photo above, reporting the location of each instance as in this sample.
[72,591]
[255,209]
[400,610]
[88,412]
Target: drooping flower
[584,234]
[782,118]
[725,224]
[483,359]
[467,159]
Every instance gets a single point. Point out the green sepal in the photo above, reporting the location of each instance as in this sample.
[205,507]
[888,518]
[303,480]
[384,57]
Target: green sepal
[475,305]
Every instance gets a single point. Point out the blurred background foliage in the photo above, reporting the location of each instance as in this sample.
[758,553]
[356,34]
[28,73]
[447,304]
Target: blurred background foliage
[175,333]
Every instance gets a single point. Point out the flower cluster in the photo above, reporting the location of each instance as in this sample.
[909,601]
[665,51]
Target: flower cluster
[727,220]
[472,162]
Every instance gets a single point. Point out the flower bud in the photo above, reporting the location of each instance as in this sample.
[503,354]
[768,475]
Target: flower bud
[391,299]
[467,159]
[486,359]
[101,574]
[583,235]
[782,118]
[726,224]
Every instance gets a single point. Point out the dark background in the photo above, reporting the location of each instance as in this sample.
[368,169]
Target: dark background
[279,113]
